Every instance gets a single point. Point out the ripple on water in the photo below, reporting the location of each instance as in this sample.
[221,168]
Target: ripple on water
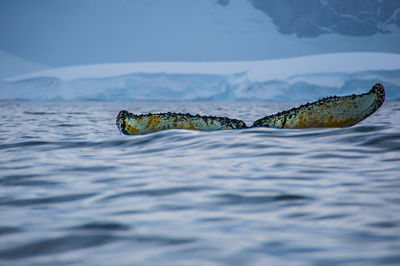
[45,200]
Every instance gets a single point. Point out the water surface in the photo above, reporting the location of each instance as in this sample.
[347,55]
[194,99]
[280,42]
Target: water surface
[74,191]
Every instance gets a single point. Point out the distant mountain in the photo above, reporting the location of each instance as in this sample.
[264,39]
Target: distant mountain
[311,18]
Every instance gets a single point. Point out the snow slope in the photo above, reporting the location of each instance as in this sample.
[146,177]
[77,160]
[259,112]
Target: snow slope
[256,70]
[295,79]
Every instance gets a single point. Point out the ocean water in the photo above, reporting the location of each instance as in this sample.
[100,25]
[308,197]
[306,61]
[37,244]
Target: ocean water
[74,191]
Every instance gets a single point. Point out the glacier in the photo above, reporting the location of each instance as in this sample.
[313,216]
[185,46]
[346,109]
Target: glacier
[200,87]
[298,79]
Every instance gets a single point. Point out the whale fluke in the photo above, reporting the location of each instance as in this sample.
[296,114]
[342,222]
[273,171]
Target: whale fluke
[329,112]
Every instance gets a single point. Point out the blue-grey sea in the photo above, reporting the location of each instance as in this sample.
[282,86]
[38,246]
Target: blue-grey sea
[74,191]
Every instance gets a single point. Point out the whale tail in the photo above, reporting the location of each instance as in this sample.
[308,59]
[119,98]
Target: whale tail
[329,112]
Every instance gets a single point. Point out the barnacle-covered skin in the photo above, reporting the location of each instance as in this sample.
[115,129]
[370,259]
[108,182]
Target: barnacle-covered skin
[131,124]
[328,112]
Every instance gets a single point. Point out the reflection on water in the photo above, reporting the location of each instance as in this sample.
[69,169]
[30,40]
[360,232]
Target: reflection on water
[73,190]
